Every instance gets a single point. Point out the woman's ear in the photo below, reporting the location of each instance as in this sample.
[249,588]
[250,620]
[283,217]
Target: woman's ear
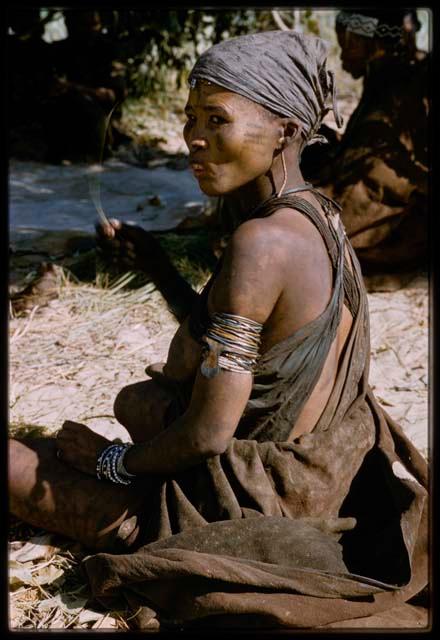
[289,132]
[292,129]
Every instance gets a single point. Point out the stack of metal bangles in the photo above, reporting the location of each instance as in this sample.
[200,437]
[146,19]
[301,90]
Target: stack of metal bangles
[240,339]
[110,464]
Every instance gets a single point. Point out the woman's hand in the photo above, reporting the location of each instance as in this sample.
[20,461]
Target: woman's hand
[80,447]
[104,94]
[131,247]
[128,246]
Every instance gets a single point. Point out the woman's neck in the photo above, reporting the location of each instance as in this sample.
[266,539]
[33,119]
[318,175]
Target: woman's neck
[251,195]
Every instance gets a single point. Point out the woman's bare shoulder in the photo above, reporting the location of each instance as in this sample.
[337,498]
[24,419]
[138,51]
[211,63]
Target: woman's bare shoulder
[278,238]
[252,276]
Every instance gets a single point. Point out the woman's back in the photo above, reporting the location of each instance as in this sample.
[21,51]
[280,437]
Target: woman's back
[306,276]
[308,290]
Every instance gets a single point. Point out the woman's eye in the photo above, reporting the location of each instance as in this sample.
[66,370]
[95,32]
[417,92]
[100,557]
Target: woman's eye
[217,120]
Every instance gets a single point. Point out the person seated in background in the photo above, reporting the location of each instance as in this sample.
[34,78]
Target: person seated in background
[88,84]
[263,483]
[378,170]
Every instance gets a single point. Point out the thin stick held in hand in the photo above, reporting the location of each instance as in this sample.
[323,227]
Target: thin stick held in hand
[95,194]
[94,181]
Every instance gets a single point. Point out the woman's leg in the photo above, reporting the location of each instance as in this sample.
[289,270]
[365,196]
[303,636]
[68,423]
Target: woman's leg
[46,492]
[141,409]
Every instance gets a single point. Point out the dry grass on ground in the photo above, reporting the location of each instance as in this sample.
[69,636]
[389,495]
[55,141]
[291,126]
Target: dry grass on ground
[68,360]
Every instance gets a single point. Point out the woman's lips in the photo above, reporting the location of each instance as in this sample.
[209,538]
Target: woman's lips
[198,169]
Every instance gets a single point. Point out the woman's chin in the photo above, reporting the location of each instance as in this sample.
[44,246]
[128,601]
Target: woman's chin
[210,189]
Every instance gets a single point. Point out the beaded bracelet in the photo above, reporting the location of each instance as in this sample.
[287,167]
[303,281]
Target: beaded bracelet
[110,464]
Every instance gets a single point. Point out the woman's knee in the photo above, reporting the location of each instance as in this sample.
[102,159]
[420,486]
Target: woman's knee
[140,404]
[129,401]
[121,403]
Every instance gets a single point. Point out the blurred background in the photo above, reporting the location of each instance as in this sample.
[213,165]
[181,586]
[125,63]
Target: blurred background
[142,59]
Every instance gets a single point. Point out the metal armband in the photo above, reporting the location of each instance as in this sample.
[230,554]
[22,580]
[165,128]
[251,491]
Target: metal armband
[232,343]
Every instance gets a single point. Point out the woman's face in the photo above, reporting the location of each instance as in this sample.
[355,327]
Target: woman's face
[231,140]
[355,51]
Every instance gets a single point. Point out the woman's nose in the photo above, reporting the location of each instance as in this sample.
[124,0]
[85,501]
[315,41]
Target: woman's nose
[198,143]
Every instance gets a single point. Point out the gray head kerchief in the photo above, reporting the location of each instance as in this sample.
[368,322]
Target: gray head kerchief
[284,71]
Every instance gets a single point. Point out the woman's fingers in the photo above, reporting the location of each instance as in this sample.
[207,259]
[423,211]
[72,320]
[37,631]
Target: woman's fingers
[131,250]
[124,245]
[115,223]
[143,242]
[70,425]
[108,230]
[70,429]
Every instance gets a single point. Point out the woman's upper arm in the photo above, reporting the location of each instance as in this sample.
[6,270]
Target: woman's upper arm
[246,286]
[250,281]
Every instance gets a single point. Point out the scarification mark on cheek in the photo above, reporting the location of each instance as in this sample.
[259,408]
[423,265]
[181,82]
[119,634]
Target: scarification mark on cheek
[255,126]
[255,135]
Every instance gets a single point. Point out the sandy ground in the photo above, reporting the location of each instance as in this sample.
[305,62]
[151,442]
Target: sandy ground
[400,357]
[69,360]
[95,355]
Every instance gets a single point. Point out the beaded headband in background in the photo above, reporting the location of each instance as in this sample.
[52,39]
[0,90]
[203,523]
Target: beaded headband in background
[368,26]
